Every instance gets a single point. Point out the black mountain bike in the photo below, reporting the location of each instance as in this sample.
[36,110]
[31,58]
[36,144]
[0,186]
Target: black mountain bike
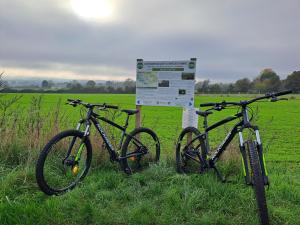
[66,159]
[197,147]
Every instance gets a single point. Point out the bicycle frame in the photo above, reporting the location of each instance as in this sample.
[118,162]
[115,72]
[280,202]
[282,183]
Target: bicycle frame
[238,128]
[93,117]
[229,137]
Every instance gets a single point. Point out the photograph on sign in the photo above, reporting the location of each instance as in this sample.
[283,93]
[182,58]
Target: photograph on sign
[165,83]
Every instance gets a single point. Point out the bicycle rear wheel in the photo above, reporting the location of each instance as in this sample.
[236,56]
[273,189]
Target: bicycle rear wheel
[63,162]
[140,149]
[190,156]
[258,183]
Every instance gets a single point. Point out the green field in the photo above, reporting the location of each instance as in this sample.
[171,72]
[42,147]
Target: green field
[157,195]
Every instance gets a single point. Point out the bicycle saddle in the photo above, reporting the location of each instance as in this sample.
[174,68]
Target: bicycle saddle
[203,113]
[130,111]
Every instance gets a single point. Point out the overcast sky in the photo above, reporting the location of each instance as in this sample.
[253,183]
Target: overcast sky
[231,39]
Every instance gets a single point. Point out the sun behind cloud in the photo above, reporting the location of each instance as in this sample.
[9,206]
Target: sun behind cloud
[100,10]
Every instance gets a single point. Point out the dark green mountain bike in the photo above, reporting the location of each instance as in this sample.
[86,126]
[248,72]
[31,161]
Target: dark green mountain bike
[196,151]
[67,157]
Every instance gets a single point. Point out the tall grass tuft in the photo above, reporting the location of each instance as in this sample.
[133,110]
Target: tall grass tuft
[25,130]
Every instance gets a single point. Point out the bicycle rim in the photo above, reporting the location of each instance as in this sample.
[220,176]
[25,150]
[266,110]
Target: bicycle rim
[60,170]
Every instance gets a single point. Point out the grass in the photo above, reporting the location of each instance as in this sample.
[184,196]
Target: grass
[157,195]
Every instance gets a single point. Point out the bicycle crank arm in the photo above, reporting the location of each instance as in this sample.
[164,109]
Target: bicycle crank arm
[191,157]
[134,154]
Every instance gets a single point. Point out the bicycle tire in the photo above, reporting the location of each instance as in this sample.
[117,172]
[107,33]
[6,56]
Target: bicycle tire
[151,139]
[41,176]
[258,183]
[180,161]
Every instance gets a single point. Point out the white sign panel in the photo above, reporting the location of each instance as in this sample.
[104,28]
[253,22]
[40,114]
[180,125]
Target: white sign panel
[165,83]
[189,118]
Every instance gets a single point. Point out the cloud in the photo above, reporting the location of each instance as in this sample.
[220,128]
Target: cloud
[231,39]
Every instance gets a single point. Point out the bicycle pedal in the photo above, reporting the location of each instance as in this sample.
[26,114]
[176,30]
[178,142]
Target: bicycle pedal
[127,170]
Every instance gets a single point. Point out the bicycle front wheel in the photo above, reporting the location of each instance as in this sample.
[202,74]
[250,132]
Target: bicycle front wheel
[141,148]
[258,183]
[63,162]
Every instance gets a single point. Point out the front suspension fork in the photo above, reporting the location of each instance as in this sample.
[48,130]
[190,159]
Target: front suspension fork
[86,134]
[246,163]
[79,152]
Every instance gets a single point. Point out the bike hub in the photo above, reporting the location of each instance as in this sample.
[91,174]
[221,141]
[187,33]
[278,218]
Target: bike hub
[75,170]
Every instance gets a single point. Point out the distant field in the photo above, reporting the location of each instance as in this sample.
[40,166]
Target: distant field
[278,121]
[157,195]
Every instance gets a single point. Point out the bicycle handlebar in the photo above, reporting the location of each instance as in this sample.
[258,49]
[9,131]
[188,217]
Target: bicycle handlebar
[111,106]
[207,104]
[75,102]
[270,95]
[243,103]
[283,93]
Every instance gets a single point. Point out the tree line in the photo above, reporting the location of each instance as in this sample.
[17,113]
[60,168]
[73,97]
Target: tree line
[127,86]
[48,86]
[266,81]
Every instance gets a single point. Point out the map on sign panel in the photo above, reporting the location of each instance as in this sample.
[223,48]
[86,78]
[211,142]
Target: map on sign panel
[146,80]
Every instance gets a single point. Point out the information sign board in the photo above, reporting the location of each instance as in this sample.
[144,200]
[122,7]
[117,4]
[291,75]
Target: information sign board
[166,83]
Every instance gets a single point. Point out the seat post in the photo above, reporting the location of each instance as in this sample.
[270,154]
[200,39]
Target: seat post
[126,122]
[124,131]
[205,125]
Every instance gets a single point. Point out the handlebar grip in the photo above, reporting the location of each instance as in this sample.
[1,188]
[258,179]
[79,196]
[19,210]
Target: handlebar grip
[207,104]
[74,100]
[283,93]
[111,107]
